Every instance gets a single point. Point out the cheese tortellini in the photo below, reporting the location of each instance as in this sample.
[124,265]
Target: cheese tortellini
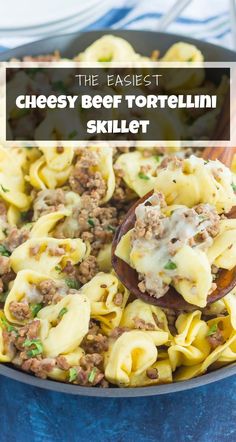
[192,181]
[48,254]
[108,298]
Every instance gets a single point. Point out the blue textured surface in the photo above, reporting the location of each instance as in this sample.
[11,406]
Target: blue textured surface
[203,414]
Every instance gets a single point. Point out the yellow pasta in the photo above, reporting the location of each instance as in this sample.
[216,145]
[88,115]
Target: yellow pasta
[12,188]
[67,335]
[103,291]
[149,316]
[23,288]
[135,167]
[191,181]
[131,354]
[47,254]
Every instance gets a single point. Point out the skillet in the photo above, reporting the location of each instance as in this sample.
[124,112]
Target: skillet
[143,42]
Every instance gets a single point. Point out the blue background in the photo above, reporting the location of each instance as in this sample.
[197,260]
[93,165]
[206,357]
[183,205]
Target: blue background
[32,414]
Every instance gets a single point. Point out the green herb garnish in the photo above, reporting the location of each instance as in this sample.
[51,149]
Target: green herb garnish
[72,134]
[91,222]
[170,265]
[143,176]
[212,330]
[62,312]
[157,157]
[233,187]
[24,216]
[4,189]
[35,309]
[111,228]
[72,374]
[4,251]
[8,326]
[58,269]
[92,375]
[37,344]
[72,283]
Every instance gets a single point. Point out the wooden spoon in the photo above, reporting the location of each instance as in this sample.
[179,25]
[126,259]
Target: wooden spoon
[226,279]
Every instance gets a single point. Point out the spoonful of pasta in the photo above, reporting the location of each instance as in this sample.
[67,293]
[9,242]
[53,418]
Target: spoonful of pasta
[176,247]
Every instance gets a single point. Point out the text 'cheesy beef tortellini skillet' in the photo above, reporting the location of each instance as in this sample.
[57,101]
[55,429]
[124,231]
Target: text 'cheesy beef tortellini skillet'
[64,313]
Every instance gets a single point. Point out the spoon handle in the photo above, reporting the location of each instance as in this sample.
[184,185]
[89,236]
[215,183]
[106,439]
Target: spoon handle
[223,154]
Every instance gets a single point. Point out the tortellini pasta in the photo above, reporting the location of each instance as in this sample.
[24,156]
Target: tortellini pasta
[12,187]
[67,335]
[193,181]
[48,254]
[109,48]
[23,289]
[130,355]
[184,52]
[108,298]
[149,316]
[139,171]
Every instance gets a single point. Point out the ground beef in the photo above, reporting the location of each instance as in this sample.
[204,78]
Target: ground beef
[4,265]
[28,331]
[50,291]
[62,363]
[15,238]
[173,162]
[150,225]
[216,338]
[152,373]
[41,367]
[48,201]
[20,310]
[90,223]
[118,331]
[95,341]
[121,191]
[87,269]
[85,179]
[90,370]
[209,213]
[142,325]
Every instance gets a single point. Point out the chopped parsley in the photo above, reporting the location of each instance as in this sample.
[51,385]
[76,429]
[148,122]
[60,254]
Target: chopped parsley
[62,312]
[92,375]
[72,374]
[212,330]
[111,228]
[58,269]
[35,309]
[8,326]
[72,134]
[24,216]
[91,222]
[142,176]
[170,265]
[34,351]
[4,189]
[233,187]
[4,251]
[72,283]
